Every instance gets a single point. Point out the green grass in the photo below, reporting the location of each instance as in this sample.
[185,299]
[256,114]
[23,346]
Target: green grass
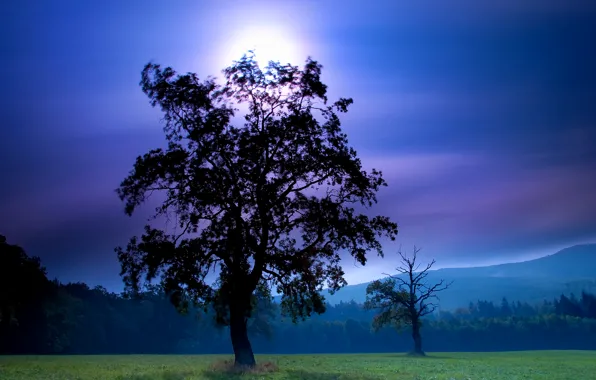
[564,365]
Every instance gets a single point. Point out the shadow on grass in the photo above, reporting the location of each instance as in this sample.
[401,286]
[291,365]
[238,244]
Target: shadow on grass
[225,369]
[301,374]
[439,357]
[295,375]
[166,375]
[409,356]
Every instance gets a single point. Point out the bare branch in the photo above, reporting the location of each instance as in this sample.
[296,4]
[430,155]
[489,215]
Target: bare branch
[404,298]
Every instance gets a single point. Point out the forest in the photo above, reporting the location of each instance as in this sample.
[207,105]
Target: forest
[43,316]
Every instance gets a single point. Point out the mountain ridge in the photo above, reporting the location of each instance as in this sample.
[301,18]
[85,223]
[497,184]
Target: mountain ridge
[569,270]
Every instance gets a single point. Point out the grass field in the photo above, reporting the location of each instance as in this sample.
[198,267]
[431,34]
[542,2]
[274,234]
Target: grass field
[563,365]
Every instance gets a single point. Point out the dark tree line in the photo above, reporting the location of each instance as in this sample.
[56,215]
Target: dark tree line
[40,316]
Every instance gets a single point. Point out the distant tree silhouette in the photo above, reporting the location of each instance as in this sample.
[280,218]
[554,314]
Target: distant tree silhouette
[505,308]
[23,287]
[268,204]
[403,299]
[568,306]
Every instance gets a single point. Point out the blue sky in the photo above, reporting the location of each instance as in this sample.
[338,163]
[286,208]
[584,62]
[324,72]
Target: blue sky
[480,115]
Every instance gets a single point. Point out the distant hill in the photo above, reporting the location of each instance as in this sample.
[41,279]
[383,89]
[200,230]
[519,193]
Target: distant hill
[570,270]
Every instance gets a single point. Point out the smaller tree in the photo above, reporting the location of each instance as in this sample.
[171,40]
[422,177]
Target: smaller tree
[405,298]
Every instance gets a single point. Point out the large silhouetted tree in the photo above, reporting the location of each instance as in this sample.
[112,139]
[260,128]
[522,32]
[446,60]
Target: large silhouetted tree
[405,298]
[270,203]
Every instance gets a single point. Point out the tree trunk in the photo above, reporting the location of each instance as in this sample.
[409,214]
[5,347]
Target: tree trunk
[417,339]
[243,355]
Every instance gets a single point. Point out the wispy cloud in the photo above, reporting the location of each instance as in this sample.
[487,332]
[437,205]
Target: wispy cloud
[463,206]
[479,113]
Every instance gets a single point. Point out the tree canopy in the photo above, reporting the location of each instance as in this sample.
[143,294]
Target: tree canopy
[269,204]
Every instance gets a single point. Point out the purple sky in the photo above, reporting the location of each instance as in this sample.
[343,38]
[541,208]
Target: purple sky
[480,115]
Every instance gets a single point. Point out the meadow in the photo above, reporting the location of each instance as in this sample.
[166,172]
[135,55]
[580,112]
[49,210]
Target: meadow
[552,365]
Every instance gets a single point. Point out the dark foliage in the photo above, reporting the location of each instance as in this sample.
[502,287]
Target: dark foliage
[23,289]
[266,205]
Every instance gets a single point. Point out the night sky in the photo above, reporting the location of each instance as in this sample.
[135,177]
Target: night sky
[481,116]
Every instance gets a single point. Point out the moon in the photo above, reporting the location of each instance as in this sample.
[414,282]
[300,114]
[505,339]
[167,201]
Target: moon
[275,33]
[268,44]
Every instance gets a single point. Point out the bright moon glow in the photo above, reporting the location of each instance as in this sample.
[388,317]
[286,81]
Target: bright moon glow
[268,43]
